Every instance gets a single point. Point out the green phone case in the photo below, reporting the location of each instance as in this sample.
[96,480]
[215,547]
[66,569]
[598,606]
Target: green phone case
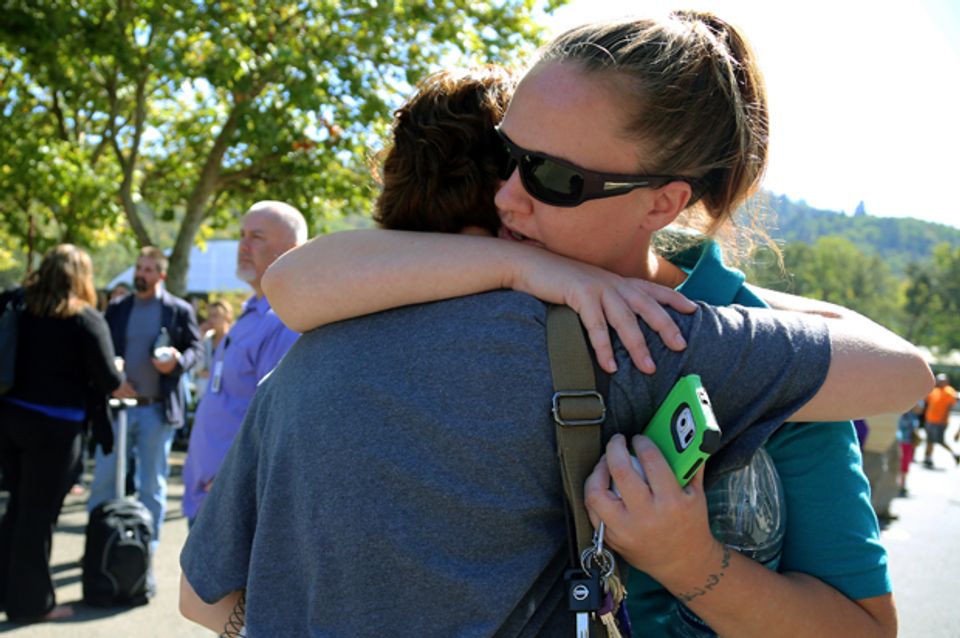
[684,428]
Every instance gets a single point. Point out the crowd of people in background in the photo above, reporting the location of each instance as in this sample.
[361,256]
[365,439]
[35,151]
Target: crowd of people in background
[77,348]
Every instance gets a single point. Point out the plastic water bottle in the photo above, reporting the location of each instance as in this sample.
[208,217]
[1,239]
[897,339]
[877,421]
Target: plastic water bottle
[161,346]
[747,514]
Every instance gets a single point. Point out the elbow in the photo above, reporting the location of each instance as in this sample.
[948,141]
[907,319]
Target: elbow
[918,379]
[278,290]
[923,379]
[188,600]
[272,283]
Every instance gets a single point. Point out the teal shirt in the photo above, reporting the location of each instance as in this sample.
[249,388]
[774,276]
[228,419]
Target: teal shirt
[832,531]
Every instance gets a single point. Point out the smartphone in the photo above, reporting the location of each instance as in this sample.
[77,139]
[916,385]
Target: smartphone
[684,428]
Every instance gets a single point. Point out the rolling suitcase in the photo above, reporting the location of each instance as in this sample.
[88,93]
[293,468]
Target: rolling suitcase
[116,554]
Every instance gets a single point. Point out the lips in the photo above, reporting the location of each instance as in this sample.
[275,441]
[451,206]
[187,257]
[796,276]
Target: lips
[512,235]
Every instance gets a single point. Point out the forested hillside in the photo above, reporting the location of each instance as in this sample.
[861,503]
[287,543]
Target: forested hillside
[897,241]
[904,273]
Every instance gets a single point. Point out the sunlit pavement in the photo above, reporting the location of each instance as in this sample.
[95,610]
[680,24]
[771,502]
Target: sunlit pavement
[157,619]
[923,542]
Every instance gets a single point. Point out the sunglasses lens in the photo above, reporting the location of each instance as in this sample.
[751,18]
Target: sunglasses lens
[550,182]
[506,165]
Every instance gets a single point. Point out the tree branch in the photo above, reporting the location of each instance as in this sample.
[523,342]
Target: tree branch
[228,179]
[58,113]
[108,135]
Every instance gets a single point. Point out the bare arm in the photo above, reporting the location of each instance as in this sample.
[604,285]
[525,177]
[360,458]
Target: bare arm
[213,617]
[348,274]
[872,370]
[716,583]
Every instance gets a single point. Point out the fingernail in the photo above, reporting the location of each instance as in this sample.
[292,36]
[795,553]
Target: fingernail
[680,341]
[612,365]
[648,363]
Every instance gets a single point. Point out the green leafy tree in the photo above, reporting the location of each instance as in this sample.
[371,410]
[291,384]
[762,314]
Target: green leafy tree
[932,299]
[833,269]
[121,117]
[921,302]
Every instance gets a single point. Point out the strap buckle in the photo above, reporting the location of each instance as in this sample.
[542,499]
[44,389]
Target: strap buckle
[578,410]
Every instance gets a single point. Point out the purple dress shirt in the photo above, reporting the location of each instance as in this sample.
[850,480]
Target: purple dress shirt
[252,348]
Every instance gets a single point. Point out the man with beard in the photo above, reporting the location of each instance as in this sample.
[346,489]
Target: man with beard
[157,336]
[254,346]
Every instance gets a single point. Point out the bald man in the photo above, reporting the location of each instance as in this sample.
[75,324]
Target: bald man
[253,347]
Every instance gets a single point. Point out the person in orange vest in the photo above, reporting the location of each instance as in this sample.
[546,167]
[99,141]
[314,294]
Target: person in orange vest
[939,401]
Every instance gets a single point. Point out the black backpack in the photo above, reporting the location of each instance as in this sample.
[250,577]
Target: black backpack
[116,556]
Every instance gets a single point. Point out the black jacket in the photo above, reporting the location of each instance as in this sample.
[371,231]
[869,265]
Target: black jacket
[178,318]
[67,362]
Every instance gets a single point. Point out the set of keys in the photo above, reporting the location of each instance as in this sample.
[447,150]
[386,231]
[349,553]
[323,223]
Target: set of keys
[595,590]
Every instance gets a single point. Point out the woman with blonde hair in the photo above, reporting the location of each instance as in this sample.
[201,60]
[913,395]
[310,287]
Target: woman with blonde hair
[64,364]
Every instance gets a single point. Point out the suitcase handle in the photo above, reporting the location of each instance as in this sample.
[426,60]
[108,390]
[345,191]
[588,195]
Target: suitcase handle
[120,444]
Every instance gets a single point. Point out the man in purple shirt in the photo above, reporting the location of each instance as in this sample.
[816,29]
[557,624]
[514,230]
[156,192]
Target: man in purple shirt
[252,348]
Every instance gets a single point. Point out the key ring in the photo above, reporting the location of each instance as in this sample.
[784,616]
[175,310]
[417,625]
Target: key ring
[603,560]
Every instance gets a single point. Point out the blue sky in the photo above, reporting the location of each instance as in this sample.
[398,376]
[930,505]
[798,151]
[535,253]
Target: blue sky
[864,97]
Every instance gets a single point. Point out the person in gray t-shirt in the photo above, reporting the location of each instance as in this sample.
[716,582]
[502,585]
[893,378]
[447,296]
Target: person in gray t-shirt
[397,473]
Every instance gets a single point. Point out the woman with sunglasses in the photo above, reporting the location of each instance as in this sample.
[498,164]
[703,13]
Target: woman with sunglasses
[606,97]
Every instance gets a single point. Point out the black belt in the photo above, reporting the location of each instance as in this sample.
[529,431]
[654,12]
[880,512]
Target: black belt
[146,401]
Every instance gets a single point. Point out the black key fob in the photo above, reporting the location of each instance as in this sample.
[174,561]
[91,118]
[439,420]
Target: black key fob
[583,590]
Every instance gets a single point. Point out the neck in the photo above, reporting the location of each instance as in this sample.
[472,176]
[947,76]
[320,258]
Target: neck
[148,294]
[665,273]
[649,266]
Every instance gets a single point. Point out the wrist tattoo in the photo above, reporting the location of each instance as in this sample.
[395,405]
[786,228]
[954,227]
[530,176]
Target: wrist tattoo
[712,580]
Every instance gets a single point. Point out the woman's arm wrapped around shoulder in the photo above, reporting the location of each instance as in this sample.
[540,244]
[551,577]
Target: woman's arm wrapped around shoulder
[349,274]
[872,369]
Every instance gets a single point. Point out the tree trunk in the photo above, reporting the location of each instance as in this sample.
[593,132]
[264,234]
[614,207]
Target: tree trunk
[200,196]
[129,165]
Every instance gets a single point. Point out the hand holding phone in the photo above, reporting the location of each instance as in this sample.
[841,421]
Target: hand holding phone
[684,429]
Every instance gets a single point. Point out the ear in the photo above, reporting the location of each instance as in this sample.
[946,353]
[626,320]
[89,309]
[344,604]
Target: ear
[668,201]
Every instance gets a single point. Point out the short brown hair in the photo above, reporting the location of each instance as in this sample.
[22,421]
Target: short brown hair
[441,172]
[63,284]
[154,253]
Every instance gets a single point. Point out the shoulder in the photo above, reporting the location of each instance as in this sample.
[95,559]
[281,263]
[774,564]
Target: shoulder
[118,306]
[168,299]
[91,318]
[502,315]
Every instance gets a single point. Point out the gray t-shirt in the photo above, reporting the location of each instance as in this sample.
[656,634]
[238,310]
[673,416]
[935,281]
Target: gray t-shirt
[143,327]
[397,474]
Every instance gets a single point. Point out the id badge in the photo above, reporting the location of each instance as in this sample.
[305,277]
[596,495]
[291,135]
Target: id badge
[216,376]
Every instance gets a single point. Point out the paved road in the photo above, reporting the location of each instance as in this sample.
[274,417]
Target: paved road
[158,619]
[924,547]
[923,541]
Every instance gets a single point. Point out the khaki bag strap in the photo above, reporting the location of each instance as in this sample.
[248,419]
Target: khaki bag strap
[578,412]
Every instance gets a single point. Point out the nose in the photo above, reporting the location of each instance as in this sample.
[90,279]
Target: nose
[512,199]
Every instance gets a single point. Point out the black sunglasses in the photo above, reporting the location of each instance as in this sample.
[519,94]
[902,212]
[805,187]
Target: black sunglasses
[557,182]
